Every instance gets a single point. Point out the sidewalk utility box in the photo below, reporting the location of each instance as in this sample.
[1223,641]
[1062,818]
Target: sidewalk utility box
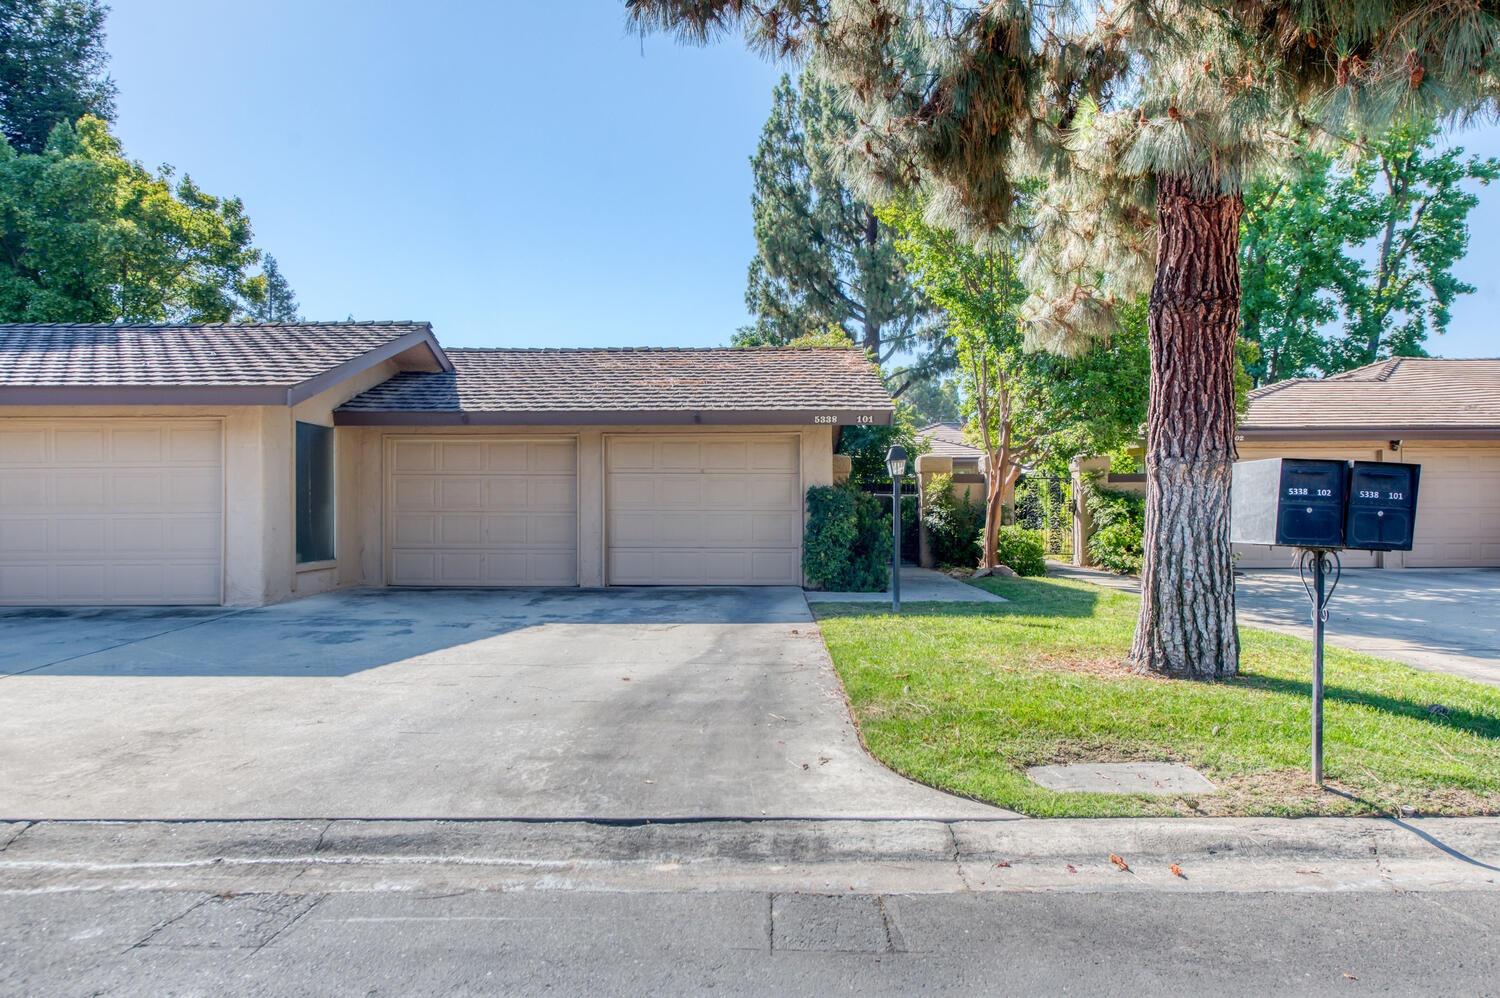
[1382,506]
[1296,502]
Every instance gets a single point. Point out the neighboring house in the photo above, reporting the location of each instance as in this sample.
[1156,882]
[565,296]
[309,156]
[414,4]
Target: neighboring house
[947,454]
[245,464]
[1441,414]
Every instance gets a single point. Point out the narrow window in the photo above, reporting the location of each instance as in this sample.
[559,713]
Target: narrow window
[314,493]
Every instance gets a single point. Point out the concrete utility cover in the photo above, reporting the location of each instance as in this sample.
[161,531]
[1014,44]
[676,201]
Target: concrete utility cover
[1122,778]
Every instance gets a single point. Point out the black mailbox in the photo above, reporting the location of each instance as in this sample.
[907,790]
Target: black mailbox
[1382,505]
[1298,502]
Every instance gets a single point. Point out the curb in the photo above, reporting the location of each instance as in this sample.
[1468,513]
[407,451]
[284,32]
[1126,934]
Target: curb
[830,856]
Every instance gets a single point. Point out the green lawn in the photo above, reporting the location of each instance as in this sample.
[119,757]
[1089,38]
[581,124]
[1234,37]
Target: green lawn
[966,696]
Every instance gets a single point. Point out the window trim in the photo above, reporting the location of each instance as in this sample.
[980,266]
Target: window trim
[331,560]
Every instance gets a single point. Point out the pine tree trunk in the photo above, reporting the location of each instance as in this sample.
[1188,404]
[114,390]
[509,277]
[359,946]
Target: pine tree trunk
[1186,626]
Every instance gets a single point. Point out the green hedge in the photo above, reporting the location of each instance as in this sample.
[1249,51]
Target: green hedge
[847,545]
[1023,551]
[1119,529]
[954,523]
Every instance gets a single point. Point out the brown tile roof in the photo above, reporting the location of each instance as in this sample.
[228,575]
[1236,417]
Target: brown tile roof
[947,440]
[176,356]
[635,380]
[1427,395]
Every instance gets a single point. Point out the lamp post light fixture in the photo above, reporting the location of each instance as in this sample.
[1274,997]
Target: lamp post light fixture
[895,463]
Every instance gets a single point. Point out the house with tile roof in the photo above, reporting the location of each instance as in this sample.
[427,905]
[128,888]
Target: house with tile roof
[250,463]
[1441,414]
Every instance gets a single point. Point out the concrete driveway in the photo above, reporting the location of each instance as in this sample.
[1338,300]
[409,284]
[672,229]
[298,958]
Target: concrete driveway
[1444,620]
[621,703]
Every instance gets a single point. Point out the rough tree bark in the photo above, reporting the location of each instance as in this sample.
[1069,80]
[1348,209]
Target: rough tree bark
[1186,626]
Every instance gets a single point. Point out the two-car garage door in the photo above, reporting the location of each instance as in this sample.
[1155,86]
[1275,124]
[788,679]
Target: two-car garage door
[123,511]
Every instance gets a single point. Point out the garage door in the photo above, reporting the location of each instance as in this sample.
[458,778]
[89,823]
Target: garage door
[1264,556]
[1458,507]
[119,512]
[704,509]
[482,511]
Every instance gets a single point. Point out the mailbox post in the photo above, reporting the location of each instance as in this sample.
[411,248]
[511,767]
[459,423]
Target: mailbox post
[1319,508]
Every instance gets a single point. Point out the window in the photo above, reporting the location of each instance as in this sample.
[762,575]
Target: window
[314,493]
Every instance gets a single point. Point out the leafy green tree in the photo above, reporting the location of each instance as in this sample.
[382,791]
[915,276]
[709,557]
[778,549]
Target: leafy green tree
[279,303]
[1297,267]
[87,235]
[52,60]
[1023,407]
[1146,118]
[1416,205]
[1345,265]
[823,259]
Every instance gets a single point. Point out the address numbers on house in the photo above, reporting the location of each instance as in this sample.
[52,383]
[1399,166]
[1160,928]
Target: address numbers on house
[834,418]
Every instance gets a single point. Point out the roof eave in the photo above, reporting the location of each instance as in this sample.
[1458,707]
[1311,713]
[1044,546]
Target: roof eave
[1466,432]
[144,395]
[304,390]
[614,417]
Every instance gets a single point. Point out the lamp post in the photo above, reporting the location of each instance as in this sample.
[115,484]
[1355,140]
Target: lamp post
[895,463]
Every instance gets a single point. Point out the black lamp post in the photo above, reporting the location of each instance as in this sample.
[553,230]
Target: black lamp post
[895,463]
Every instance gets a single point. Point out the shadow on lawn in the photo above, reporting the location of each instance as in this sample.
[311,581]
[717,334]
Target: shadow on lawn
[1483,725]
[1025,598]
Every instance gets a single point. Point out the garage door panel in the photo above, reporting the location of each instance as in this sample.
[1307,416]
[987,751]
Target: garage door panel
[127,511]
[1458,507]
[481,513]
[413,456]
[778,456]
[80,445]
[715,510]
[22,447]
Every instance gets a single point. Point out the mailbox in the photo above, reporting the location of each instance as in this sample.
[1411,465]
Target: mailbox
[1382,505]
[1297,502]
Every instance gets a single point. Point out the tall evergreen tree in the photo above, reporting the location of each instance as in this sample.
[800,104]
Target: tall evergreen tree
[279,303]
[823,258]
[1147,118]
[52,61]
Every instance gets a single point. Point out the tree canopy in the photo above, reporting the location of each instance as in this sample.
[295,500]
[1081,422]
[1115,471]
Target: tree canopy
[52,60]
[87,235]
[1348,261]
[823,259]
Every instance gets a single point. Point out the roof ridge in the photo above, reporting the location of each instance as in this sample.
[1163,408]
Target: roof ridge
[649,349]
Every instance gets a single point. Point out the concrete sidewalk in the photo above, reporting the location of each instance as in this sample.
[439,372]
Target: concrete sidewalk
[880,856]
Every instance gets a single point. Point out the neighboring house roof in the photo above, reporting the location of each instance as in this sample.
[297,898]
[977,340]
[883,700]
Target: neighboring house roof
[714,385]
[230,363]
[1403,397]
[947,440]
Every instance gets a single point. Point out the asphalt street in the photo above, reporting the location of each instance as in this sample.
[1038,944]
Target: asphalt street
[558,942]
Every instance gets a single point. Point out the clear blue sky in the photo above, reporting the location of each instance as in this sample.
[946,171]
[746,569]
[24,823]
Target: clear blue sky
[519,173]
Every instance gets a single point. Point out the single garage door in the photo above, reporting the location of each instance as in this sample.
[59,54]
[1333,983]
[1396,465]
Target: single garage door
[127,511]
[1458,507]
[1264,556]
[482,511]
[704,509]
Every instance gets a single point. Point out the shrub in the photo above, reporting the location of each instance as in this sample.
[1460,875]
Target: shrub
[954,523]
[1119,530]
[1023,551]
[847,545]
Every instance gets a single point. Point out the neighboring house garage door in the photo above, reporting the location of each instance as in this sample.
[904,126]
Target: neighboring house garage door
[704,509]
[1458,507]
[123,511]
[1260,556]
[482,511]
